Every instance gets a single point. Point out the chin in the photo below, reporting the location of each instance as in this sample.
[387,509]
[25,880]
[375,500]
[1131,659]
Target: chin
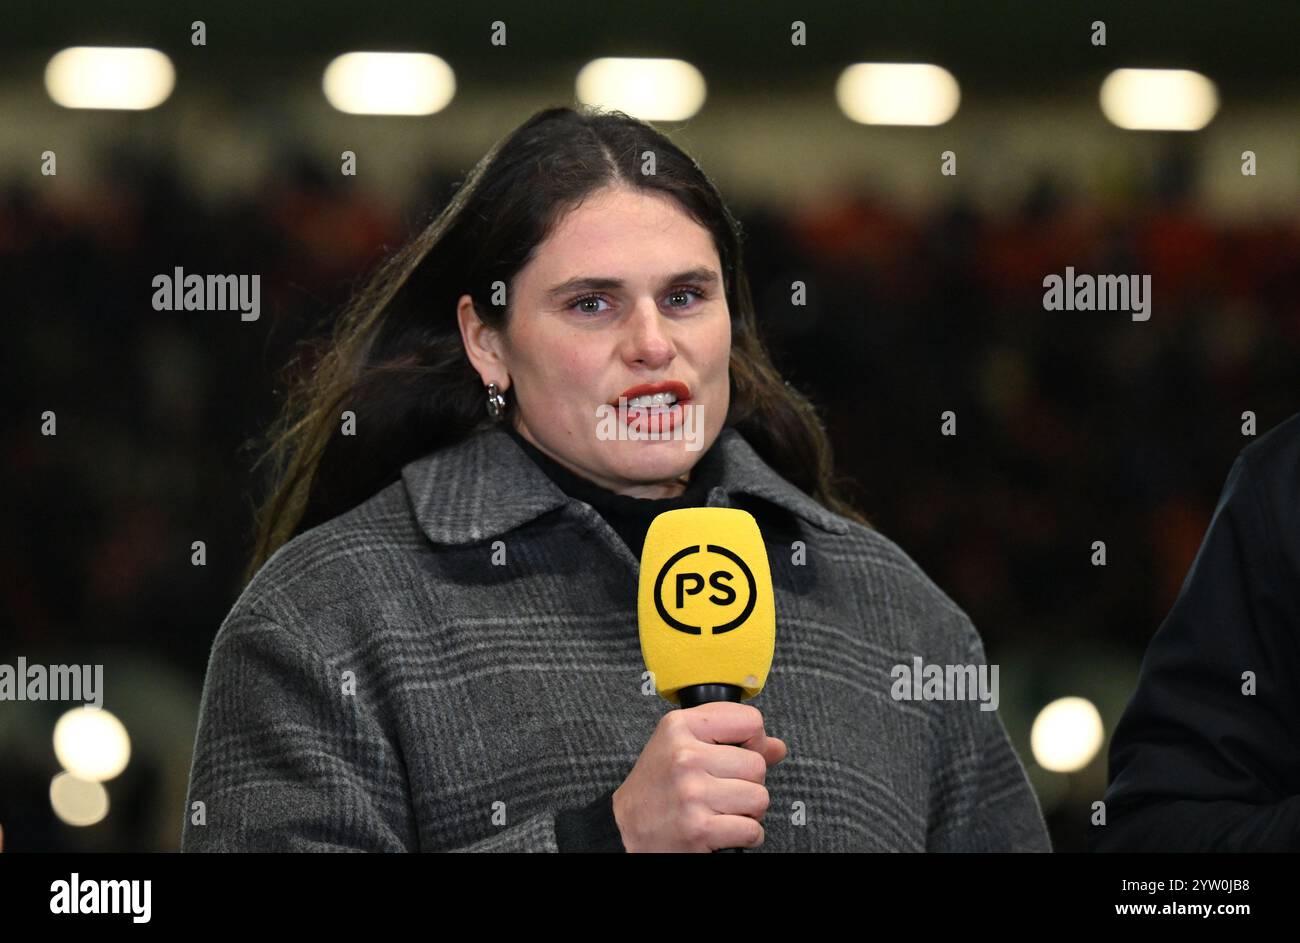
[654,461]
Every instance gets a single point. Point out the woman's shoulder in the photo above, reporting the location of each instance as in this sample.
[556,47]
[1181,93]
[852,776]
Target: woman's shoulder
[888,584]
[881,580]
[357,562]
[869,549]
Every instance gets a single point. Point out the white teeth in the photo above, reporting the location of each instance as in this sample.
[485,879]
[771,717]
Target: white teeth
[656,399]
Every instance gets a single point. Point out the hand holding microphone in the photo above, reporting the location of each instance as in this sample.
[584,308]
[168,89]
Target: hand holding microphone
[708,631]
[690,790]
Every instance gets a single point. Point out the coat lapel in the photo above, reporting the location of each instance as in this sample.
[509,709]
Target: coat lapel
[485,486]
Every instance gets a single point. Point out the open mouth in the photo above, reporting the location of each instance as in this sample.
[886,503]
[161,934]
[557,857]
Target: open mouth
[653,408]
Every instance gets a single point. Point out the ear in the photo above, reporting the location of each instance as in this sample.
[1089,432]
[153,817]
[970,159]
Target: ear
[483,345]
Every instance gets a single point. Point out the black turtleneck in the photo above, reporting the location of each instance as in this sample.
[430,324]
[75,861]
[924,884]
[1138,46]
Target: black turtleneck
[593,828]
[629,516]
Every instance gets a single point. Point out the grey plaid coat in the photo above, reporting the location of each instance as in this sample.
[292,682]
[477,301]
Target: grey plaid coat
[382,685]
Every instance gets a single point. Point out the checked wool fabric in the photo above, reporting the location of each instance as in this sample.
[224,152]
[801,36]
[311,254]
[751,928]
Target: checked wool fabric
[382,685]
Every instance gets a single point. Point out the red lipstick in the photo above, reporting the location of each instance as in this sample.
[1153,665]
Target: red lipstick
[656,420]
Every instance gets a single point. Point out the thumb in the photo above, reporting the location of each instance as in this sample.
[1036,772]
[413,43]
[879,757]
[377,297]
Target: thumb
[774,750]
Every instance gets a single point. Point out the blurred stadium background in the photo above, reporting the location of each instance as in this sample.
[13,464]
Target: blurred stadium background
[925,295]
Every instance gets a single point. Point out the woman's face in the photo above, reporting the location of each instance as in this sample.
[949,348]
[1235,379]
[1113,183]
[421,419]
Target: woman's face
[626,291]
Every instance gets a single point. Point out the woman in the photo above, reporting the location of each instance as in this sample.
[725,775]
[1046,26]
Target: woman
[437,647]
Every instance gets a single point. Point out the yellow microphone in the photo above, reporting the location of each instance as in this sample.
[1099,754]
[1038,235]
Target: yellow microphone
[705,610]
[705,607]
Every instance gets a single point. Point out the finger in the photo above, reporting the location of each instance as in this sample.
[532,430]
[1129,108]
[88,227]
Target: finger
[724,761]
[738,797]
[724,722]
[775,750]
[757,742]
[735,831]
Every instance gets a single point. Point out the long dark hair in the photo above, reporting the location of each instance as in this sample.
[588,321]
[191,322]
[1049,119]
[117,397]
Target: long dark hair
[397,361]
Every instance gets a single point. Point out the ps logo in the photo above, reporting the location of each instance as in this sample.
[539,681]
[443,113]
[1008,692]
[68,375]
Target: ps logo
[704,574]
[687,587]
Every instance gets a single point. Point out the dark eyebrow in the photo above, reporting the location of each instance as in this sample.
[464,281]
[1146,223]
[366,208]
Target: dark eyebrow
[705,276]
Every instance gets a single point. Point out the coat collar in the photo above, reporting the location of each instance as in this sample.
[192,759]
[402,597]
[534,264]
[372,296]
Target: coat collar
[485,485]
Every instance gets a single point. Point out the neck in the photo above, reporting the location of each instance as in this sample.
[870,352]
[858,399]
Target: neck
[669,488]
[657,489]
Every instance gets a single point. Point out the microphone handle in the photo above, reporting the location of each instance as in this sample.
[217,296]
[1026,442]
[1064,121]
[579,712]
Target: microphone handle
[698,694]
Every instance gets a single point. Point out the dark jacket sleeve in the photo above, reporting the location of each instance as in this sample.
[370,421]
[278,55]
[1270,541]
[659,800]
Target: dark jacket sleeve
[284,760]
[589,828]
[1197,763]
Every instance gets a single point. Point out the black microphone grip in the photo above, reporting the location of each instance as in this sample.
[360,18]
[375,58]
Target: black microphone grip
[697,694]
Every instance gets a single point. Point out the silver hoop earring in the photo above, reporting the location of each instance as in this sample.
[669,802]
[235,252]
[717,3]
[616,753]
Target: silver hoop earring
[496,403]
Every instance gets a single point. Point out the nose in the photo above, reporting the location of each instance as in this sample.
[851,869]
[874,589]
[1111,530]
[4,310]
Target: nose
[647,340]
